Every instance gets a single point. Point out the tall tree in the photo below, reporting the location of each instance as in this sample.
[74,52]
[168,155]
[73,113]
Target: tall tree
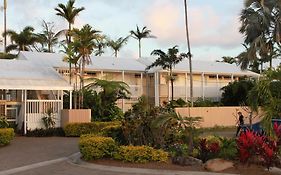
[101,44]
[168,61]
[140,34]
[116,45]
[260,25]
[69,13]
[48,37]
[21,41]
[84,43]
[188,53]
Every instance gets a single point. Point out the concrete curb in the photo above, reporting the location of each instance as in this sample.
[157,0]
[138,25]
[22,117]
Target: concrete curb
[75,160]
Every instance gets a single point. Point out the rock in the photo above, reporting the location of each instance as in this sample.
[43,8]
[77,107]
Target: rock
[186,161]
[217,165]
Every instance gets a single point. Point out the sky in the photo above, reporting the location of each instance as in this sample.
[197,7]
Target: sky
[213,24]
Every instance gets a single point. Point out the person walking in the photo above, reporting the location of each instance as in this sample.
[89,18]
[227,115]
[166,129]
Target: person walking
[240,123]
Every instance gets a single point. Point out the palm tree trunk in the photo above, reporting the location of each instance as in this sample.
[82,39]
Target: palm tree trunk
[270,63]
[189,53]
[116,53]
[5,25]
[172,84]
[139,48]
[68,42]
[82,82]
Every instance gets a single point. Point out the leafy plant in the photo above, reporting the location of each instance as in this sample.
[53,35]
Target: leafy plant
[46,132]
[6,136]
[140,154]
[228,149]
[49,119]
[96,147]
[253,146]
[208,150]
[3,122]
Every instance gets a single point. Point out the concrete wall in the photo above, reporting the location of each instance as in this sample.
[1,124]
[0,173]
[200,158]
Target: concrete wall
[218,116]
[75,116]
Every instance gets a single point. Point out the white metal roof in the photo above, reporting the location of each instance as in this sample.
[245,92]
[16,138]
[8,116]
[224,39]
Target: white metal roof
[98,63]
[23,75]
[198,66]
[131,64]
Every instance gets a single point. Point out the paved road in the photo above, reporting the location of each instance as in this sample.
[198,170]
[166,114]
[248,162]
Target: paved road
[59,156]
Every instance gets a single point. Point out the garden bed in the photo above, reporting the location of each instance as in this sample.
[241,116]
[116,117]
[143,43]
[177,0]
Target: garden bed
[238,169]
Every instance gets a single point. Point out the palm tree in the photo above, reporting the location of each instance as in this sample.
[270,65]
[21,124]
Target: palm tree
[188,52]
[21,41]
[168,61]
[69,13]
[140,34]
[116,45]
[261,28]
[101,44]
[48,37]
[84,44]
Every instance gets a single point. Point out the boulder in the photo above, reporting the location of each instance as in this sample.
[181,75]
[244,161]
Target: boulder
[217,165]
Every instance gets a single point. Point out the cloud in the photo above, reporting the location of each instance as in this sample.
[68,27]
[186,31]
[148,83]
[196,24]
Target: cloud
[207,27]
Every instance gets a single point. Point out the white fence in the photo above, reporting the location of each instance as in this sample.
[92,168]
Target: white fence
[37,109]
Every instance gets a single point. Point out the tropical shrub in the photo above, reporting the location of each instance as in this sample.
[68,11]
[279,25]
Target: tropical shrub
[140,154]
[49,119]
[179,150]
[235,93]
[6,136]
[115,132]
[96,147]
[252,146]
[228,149]
[78,129]
[200,102]
[208,150]
[3,122]
[46,132]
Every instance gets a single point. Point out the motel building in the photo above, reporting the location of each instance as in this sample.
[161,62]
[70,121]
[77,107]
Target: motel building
[35,82]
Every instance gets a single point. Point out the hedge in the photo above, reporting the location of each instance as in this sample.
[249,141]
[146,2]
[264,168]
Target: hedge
[140,154]
[96,147]
[78,129]
[6,135]
[58,132]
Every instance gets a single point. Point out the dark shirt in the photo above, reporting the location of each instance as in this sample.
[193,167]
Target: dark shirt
[241,119]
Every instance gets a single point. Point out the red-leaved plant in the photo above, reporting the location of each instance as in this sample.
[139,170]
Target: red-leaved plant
[254,146]
[208,150]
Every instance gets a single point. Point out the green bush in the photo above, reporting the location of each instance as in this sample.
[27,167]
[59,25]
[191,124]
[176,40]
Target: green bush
[46,132]
[78,129]
[6,135]
[96,147]
[115,132]
[228,149]
[140,154]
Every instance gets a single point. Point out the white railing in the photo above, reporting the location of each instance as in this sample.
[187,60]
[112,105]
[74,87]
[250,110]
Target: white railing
[37,109]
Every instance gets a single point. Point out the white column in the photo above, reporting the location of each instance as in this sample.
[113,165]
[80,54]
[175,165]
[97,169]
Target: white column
[185,87]
[101,73]
[232,78]
[203,85]
[123,100]
[70,99]
[25,117]
[218,88]
[156,85]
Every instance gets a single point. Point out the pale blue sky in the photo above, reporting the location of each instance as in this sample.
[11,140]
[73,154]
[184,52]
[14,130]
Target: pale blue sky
[214,24]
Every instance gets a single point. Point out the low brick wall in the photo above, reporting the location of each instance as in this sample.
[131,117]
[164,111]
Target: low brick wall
[75,116]
[218,116]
